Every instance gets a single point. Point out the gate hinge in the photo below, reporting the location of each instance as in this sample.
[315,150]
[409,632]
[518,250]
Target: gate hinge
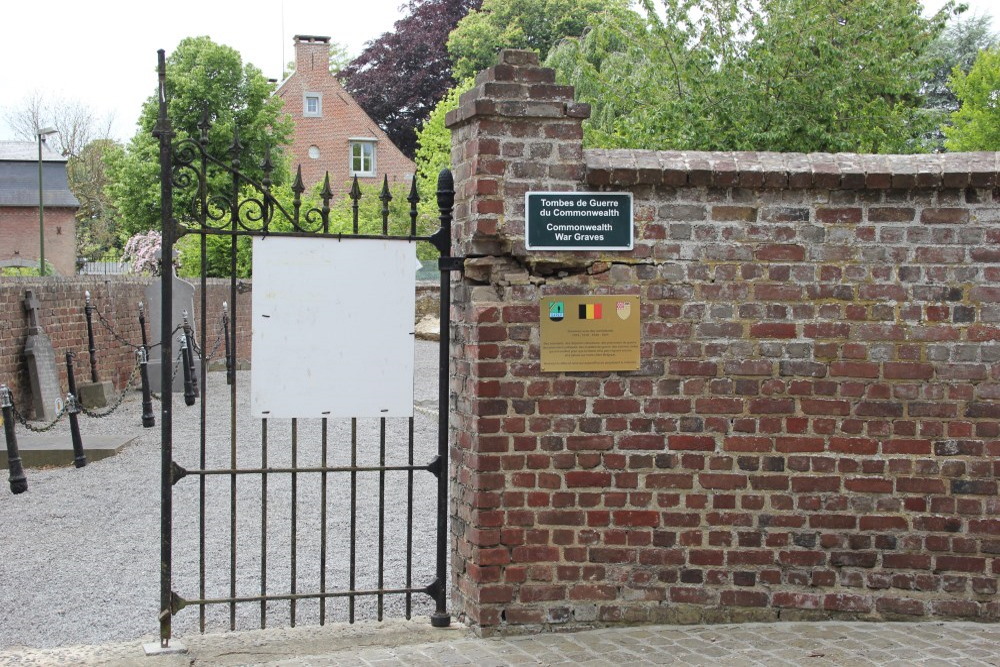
[451,263]
[176,603]
[433,588]
[434,467]
[177,473]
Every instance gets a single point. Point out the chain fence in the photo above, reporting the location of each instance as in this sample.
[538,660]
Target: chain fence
[23,421]
[121,339]
[72,402]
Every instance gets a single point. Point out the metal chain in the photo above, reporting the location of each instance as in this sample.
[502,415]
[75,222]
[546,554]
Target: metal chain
[215,345]
[195,346]
[22,420]
[115,334]
[124,341]
[121,398]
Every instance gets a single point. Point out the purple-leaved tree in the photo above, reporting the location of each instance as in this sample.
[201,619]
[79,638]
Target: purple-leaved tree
[401,75]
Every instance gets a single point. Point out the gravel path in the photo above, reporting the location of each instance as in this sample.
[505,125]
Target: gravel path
[79,556]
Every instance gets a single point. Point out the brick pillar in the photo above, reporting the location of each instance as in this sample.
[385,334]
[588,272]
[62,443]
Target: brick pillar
[516,131]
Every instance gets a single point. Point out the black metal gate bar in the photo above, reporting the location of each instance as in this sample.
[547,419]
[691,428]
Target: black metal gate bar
[354,491]
[428,467]
[263,523]
[203,443]
[234,216]
[381,481]
[295,514]
[191,167]
[277,597]
[445,200]
[165,135]
[322,523]
[409,520]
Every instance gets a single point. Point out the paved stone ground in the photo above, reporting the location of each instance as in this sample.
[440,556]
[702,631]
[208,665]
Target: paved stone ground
[416,643]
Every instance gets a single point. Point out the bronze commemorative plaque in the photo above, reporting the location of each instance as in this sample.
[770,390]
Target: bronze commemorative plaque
[589,333]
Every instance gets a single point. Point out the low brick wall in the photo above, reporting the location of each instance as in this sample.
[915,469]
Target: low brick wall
[813,432]
[116,300]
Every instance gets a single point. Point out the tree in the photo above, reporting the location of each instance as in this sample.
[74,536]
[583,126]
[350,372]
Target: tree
[400,76]
[76,123]
[781,75]
[958,46]
[203,80]
[474,44]
[616,62]
[97,220]
[976,124]
[517,24]
[434,149]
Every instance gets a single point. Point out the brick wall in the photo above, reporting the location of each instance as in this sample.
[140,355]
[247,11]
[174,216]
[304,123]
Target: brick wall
[813,431]
[19,236]
[62,316]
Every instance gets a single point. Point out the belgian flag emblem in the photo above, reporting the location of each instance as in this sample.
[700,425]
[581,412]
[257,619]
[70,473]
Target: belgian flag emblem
[590,311]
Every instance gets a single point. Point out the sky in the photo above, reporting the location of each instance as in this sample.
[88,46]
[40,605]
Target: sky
[102,53]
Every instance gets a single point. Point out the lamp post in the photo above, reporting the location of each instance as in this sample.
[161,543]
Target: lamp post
[42,133]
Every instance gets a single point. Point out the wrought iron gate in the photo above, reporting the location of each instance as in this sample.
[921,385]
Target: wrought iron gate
[221,478]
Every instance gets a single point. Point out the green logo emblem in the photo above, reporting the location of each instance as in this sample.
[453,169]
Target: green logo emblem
[557,311]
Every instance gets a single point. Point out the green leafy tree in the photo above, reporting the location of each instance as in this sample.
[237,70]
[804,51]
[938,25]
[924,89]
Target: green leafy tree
[97,223]
[434,149]
[473,45]
[203,79]
[976,124]
[782,75]
[517,24]
[958,46]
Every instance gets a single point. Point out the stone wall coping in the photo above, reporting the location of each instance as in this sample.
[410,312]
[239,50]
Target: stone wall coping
[833,171]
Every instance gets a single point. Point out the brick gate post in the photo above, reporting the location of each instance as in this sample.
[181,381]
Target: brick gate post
[515,131]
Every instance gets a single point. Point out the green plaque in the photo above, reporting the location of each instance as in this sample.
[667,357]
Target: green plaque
[578,221]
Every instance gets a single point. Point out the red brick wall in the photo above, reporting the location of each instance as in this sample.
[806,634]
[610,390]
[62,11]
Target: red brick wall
[342,119]
[813,432]
[19,236]
[116,298]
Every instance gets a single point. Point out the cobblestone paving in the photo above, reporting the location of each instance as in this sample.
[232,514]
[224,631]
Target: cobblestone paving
[416,643]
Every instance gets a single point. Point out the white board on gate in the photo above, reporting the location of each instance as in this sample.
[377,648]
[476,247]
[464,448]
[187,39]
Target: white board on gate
[332,327]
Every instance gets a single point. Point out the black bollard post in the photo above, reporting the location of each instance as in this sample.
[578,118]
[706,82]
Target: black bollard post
[89,311]
[73,408]
[230,365]
[148,419]
[189,358]
[188,372]
[18,482]
[142,328]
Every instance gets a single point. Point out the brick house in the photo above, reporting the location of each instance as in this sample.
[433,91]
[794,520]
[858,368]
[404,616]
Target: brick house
[332,132]
[19,231]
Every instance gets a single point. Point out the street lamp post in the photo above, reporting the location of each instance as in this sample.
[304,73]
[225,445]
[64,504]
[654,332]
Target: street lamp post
[42,133]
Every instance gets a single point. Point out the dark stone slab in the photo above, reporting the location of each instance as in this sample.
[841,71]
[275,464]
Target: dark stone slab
[40,450]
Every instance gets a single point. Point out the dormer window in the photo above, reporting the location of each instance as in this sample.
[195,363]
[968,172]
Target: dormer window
[312,105]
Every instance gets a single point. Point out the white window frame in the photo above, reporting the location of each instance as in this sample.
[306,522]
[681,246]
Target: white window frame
[306,97]
[369,161]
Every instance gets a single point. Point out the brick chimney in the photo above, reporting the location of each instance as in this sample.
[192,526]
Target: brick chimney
[312,52]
